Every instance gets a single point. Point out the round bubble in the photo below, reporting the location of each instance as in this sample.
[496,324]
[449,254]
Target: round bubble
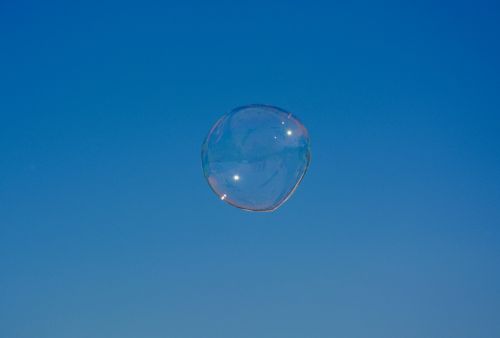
[255,157]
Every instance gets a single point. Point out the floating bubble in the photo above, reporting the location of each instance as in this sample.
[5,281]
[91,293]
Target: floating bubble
[255,157]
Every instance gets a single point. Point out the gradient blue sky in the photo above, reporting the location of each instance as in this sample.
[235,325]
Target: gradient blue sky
[108,229]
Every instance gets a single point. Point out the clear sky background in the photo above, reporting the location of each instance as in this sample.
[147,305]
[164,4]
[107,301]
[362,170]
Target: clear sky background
[108,228]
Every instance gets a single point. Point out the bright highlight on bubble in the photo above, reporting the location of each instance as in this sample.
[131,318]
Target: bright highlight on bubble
[255,157]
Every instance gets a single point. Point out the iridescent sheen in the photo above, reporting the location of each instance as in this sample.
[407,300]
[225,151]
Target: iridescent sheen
[255,157]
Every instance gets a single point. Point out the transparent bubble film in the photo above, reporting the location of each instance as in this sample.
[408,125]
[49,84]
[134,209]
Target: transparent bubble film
[256,156]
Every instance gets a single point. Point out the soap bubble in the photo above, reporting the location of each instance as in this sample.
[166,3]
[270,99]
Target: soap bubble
[255,157]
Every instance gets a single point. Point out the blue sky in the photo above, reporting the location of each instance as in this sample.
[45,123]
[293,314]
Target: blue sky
[108,229]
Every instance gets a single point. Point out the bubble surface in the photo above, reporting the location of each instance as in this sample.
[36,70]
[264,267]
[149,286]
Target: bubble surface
[255,157]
